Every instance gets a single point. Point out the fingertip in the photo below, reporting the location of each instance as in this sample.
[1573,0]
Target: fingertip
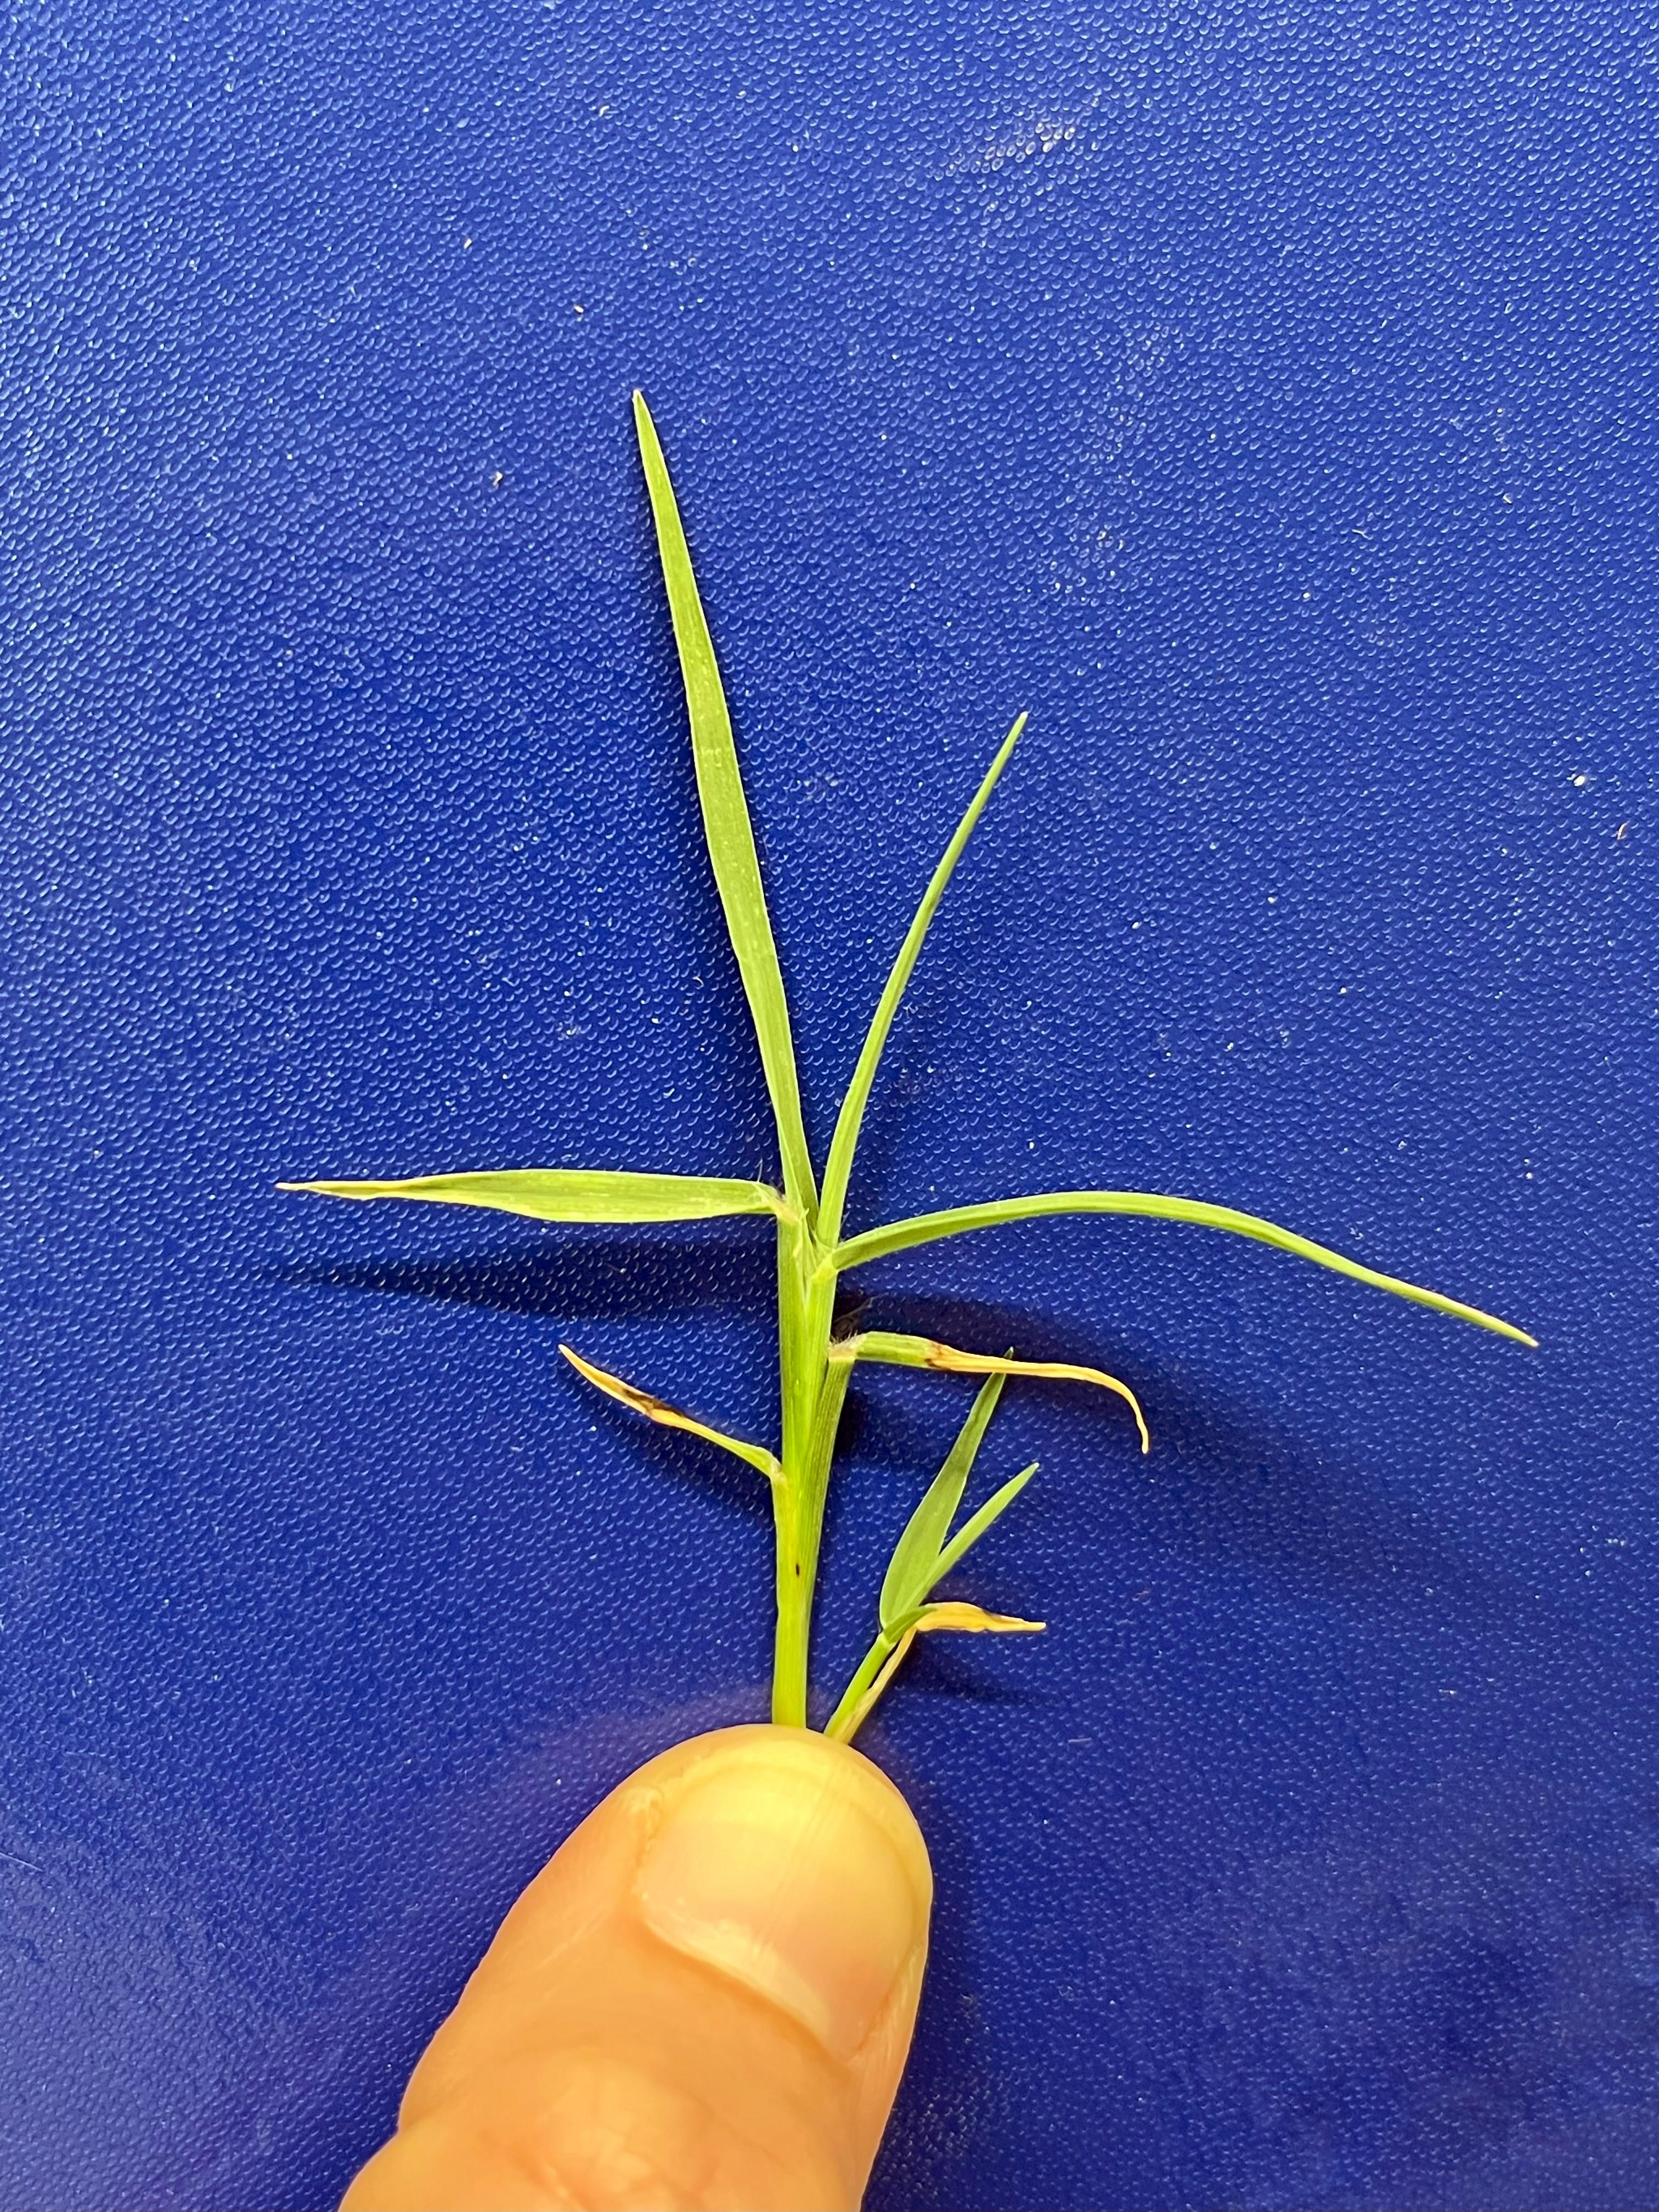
[792,1866]
[724,1959]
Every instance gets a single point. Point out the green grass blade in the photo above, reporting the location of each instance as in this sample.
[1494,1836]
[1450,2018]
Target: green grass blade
[956,1221]
[844,1144]
[910,1573]
[895,1351]
[963,1619]
[726,819]
[574,1194]
[669,1417]
[972,1529]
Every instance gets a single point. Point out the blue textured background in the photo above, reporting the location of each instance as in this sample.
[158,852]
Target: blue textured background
[1264,396]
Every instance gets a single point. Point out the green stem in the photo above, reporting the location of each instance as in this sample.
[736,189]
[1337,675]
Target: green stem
[812,1394]
[874,1660]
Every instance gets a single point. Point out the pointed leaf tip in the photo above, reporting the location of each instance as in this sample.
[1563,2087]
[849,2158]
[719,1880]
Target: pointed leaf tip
[843,1145]
[669,1417]
[914,1566]
[975,1527]
[955,1221]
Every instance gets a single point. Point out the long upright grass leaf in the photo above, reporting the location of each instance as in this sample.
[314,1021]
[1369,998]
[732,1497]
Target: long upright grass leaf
[669,1417]
[906,1582]
[844,1143]
[956,1221]
[891,1350]
[726,819]
[574,1193]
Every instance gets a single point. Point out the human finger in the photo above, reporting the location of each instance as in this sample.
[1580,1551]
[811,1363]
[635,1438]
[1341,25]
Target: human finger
[704,2000]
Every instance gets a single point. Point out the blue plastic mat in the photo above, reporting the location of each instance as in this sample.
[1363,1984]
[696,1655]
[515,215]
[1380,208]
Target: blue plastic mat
[1264,397]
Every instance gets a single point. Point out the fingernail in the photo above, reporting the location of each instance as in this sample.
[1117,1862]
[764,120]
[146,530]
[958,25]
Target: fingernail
[779,1867]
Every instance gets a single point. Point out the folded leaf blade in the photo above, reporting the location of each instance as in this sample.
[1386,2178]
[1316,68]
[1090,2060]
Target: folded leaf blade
[896,1351]
[576,1194]
[726,826]
[957,1221]
[671,1417]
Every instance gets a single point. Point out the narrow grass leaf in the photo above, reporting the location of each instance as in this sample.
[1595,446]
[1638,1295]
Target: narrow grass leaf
[574,1193]
[669,1417]
[725,818]
[844,1144]
[973,1528]
[854,1709]
[956,1221]
[894,1351]
[910,1573]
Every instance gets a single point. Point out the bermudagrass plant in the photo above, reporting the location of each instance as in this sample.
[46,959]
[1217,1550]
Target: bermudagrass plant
[813,1252]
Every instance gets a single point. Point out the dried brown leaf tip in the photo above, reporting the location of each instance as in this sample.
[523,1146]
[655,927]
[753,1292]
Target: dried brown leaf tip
[671,1417]
[896,1351]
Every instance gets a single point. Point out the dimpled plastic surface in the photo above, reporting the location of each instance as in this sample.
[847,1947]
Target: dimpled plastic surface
[1262,396]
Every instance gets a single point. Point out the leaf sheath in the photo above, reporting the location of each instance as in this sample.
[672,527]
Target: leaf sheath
[887,1654]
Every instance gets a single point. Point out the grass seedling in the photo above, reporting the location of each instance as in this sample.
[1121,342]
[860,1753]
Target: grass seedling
[814,1250]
